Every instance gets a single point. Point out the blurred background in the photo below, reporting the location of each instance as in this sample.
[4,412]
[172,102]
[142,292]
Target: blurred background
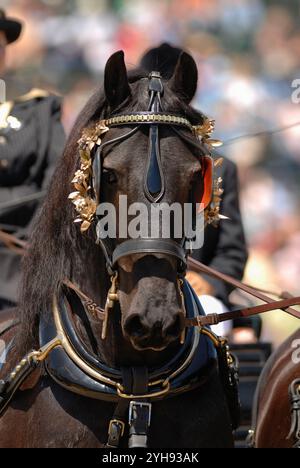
[248,54]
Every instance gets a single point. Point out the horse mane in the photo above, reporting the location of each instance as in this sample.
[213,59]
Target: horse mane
[57,249]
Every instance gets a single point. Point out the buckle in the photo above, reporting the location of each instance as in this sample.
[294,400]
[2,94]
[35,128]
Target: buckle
[133,415]
[155,74]
[119,423]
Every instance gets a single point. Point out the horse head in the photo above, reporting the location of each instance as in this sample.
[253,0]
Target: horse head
[150,165]
[138,138]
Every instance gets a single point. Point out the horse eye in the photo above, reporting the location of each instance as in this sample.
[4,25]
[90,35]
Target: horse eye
[109,176]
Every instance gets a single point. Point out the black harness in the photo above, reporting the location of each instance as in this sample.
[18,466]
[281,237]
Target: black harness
[67,358]
[76,368]
[106,383]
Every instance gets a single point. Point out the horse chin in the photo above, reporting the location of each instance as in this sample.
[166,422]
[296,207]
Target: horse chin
[142,348]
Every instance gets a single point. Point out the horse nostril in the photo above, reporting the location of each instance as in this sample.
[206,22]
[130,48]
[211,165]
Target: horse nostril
[135,328]
[153,334]
[175,328]
[157,331]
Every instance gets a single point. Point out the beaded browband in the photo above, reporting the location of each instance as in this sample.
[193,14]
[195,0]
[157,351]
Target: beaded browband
[147,117]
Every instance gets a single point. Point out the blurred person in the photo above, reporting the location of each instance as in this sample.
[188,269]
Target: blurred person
[31,139]
[224,246]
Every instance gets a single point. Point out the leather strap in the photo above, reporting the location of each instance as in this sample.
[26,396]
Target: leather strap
[90,305]
[118,422]
[139,410]
[135,380]
[154,185]
[162,246]
[13,243]
[201,268]
[214,319]
[172,248]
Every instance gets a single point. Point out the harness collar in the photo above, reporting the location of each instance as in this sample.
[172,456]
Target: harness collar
[105,382]
[75,369]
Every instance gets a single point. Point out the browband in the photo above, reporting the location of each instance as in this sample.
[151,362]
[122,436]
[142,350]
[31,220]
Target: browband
[151,118]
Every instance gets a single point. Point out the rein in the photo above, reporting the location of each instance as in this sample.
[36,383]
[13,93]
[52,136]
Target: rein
[210,319]
[285,304]
[13,243]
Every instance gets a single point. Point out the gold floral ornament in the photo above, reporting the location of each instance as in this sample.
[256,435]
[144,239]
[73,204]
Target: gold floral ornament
[204,132]
[82,199]
[212,213]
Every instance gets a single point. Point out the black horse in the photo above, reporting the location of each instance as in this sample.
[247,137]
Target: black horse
[145,328]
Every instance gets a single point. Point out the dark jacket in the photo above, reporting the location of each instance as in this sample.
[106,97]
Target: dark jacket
[29,148]
[225,246]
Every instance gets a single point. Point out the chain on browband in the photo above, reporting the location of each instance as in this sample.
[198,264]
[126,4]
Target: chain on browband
[151,118]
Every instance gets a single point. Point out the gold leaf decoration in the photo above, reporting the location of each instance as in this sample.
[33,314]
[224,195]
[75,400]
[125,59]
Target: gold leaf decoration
[205,131]
[213,143]
[85,205]
[212,213]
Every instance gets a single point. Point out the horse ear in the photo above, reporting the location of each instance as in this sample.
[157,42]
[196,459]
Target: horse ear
[116,84]
[185,78]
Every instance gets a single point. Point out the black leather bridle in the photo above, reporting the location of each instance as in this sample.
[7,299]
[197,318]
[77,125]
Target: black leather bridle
[154,180]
